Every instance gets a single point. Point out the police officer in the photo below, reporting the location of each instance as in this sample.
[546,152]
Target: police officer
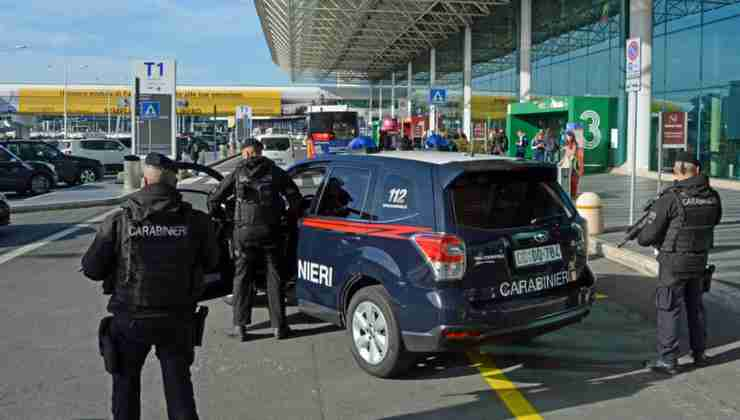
[681,226]
[260,187]
[155,252]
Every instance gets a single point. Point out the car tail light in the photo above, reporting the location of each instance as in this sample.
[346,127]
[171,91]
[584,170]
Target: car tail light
[461,335]
[444,253]
[322,136]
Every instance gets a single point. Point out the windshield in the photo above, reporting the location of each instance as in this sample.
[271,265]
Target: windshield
[342,124]
[276,143]
[503,200]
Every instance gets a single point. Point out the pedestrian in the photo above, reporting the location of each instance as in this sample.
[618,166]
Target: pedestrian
[151,257]
[521,144]
[406,143]
[538,147]
[195,149]
[259,186]
[681,226]
[551,147]
[572,160]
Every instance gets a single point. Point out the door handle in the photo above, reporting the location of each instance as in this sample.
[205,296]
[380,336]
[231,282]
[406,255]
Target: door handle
[348,239]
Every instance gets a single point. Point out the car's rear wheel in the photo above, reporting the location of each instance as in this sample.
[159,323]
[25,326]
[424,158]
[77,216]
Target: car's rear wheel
[39,184]
[87,176]
[374,333]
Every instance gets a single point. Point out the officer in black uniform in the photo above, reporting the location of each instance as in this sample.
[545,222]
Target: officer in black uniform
[260,187]
[151,257]
[681,226]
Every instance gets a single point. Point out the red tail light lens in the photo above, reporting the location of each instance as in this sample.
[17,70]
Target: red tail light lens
[444,253]
[322,136]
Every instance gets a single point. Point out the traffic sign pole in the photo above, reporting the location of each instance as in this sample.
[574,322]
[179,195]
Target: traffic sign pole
[633,84]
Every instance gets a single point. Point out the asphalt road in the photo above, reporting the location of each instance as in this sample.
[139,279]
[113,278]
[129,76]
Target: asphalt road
[51,369]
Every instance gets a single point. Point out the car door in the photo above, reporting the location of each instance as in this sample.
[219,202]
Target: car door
[334,229]
[11,171]
[66,168]
[94,149]
[114,152]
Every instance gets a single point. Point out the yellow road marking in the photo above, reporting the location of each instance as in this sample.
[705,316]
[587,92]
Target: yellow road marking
[519,407]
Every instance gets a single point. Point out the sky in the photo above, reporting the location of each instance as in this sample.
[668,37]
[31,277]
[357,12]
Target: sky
[215,42]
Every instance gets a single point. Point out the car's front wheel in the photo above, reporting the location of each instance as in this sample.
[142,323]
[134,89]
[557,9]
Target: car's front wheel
[375,335]
[39,184]
[87,176]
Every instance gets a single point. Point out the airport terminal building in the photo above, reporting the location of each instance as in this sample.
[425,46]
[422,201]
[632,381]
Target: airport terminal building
[550,53]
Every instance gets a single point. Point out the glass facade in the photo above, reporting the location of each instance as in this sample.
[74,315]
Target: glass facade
[577,51]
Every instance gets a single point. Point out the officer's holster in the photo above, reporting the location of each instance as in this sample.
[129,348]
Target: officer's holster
[107,346]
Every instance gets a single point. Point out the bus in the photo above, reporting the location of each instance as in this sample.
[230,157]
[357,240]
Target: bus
[288,124]
[330,129]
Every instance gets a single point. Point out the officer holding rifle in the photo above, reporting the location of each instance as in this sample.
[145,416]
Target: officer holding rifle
[151,257]
[680,225]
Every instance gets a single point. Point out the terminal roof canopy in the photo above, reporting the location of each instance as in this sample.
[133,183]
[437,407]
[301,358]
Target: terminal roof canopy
[360,39]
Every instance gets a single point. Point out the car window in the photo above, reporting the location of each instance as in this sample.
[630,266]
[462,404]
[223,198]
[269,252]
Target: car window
[15,149]
[397,200]
[344,194]
[505,200]
[92,145]
[5,156]
[276,143]
[309,179]
[44,151]
[112,145]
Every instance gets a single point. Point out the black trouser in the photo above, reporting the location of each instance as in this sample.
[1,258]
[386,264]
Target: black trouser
[173,339]
[670,302]
[250,255]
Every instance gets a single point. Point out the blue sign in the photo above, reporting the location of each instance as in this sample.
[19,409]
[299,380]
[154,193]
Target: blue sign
[438,96]
[149,110]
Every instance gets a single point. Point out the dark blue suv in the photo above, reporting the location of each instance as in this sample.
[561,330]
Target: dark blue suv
[418,252]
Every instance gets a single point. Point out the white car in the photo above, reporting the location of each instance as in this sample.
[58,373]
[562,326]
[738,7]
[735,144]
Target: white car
[279,148]
[109,152]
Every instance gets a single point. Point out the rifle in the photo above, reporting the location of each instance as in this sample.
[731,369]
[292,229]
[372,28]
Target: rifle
[634,230]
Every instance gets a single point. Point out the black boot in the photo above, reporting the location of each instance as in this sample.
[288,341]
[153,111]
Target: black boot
[662,366]
[283,332]
[701,360]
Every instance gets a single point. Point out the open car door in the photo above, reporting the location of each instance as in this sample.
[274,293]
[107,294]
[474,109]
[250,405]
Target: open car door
[219,282]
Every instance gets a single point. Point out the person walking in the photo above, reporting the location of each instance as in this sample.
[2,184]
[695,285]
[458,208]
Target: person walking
[260,187]
[681,226]
[551,147]
[572,160]
[151,257]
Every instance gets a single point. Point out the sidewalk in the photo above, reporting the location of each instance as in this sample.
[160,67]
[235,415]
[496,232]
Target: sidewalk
[614,192]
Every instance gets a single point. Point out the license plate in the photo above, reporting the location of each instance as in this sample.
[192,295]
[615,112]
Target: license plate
[537,256]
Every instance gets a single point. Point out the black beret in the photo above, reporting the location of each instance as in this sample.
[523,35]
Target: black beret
[687,157]
[160,161]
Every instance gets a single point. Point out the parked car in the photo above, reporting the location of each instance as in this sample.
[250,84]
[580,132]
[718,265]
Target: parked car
[423,252]
[23,177]
[4,211]
[70,169]
[109,152]
[279,148]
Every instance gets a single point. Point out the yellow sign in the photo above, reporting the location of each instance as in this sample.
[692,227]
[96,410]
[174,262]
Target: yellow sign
[199,102]
[493,107]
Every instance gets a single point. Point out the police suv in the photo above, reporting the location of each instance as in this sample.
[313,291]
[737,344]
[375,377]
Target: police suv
[418,252]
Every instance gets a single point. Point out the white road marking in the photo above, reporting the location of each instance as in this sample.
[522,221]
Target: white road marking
[4,258]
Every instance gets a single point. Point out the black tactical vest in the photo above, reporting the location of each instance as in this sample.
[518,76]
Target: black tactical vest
[258,203]
[159,253]
[693,230]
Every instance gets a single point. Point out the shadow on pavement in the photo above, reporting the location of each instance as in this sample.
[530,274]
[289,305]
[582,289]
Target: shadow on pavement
[597,360]
[15,235]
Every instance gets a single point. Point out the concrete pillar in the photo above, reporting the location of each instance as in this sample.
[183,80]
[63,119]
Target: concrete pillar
[370,105]
[393,94]
[467,82]
[409,88]
[525,51]
[641,25]
[380,102]
[432,83]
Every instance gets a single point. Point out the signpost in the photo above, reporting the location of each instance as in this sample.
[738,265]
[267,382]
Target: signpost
[633,83]
[154,102]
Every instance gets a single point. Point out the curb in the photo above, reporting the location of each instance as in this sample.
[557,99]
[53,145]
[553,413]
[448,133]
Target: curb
[634,260]
[70,205]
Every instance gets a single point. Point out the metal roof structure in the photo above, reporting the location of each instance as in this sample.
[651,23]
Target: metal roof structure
[360,39]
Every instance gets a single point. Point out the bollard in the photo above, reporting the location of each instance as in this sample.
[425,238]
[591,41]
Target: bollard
[224,152]
[132,172]
[589,207]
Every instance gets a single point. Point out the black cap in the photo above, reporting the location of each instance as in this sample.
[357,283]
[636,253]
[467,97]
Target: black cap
[251,141]
[687,157]
[160,161]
